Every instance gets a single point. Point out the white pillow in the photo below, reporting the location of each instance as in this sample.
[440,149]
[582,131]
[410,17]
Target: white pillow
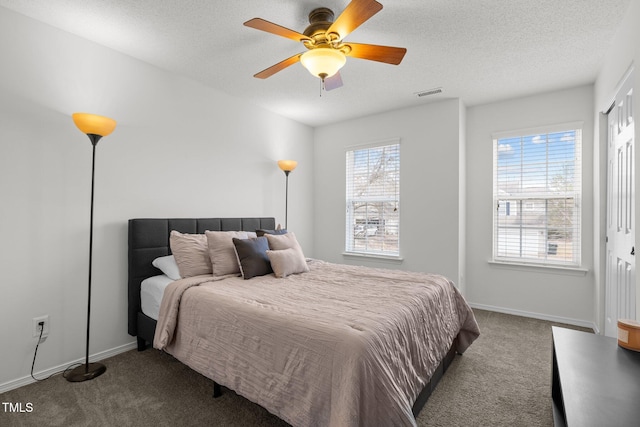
[167,264]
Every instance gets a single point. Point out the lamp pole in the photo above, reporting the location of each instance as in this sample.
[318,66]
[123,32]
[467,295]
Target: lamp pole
[286,200]
[94,143]
[287,166]
[95,127]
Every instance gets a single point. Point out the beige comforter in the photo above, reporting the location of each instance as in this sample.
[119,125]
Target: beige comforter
[337,346]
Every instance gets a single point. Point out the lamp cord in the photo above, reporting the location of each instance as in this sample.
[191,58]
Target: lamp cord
[35,353]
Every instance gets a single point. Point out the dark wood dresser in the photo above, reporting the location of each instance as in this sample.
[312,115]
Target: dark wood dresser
[594,382]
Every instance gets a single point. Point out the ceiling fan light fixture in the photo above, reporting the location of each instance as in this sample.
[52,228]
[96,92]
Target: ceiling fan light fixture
[323,62]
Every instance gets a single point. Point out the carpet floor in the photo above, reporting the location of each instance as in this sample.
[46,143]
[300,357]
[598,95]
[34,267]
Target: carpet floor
[503,379]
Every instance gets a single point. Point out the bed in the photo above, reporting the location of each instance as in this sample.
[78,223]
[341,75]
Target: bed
[338,345]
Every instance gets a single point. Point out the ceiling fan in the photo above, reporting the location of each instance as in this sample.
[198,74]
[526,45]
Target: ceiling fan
[324,39]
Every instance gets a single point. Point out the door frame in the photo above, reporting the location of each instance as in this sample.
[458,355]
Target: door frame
[600,225]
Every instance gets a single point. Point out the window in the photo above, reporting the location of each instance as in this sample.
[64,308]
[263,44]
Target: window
[373,189]
[536,194]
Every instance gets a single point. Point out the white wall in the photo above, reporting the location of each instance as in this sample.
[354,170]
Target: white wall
[429,185]
[624,52]
[529,291]
[179,150]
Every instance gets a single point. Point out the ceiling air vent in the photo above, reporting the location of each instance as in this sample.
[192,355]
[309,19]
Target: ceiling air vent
[428,92]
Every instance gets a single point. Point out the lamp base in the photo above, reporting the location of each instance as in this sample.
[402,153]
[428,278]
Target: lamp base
[84,373]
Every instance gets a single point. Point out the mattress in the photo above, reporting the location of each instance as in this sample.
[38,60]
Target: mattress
[151,291]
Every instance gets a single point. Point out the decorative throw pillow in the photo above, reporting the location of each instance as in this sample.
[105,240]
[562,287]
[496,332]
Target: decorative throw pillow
[191,253]
[252,257]
[222,253]
[262,232]
[294,256]
[167,264]
[287,261]
[283,241]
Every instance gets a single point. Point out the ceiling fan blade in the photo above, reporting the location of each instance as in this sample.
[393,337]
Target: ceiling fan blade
[356,12]
[268,72]
[372,52]
[333,82]
[279,30]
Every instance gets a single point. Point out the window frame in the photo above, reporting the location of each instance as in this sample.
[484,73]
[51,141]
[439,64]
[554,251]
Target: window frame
[349,245]
[546,196]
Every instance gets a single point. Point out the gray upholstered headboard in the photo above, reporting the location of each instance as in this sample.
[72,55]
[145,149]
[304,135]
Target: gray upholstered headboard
[149,239]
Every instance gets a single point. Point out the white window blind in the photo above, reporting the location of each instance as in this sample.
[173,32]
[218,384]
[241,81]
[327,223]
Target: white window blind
[373,193]
[537,195]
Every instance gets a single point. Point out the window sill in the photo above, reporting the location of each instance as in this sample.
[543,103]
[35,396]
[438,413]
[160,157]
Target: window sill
[552,269]
[387,258]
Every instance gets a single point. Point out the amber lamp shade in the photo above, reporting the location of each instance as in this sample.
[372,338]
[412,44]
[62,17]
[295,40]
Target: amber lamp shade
[92,124]
[287,165]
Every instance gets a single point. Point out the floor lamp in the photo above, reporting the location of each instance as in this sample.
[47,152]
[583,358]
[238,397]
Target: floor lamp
[95,127]
[287,166]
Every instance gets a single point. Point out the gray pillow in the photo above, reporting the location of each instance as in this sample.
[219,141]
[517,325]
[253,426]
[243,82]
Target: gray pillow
[262,232]
[252,257]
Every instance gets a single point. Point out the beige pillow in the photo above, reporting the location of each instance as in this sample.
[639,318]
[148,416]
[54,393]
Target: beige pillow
[287,261]
[286,254]
[283,241]
[222,253]
[191,253]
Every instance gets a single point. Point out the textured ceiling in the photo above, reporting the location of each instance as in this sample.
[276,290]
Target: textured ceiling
[479,51]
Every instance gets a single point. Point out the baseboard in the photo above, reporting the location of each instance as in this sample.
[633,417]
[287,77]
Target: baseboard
[548,317]
[10,385]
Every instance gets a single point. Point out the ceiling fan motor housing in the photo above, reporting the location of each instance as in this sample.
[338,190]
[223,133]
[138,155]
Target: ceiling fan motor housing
[320,20]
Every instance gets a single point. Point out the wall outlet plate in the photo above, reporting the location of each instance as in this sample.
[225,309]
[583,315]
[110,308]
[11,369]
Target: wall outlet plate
[36,326]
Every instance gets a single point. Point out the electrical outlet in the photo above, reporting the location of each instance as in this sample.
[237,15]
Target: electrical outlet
[36,326]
